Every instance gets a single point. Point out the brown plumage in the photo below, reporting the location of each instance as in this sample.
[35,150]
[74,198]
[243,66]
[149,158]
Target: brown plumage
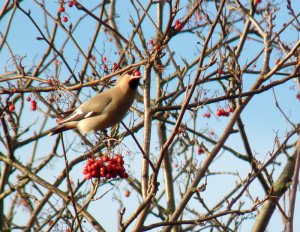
[103,110]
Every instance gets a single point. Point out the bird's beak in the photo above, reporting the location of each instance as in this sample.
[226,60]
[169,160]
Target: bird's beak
[135,77]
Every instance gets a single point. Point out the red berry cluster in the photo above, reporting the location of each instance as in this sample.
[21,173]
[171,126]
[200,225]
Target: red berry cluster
[114,67]
[106,167]
[155,44]
[200,150]
[206,115]
[62,9]
[178,25]
[225,113]
[33,105]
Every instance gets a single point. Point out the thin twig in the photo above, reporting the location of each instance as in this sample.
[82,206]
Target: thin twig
[139,146]
[69,182]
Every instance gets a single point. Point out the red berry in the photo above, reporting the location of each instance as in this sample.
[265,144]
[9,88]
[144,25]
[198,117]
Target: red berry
[257,1]
[94,166]
[220,71]
[90,161]
[114,167]
[120,169]
[114,174]
[11,108]
[105,67]
[70,4]
[108,176]
[95,174]
[120,160]
[99,163]
[85,171]
[89,168]
[229,110]
[88,176]
[298,96]
[127,193]
[200,151]
[156,47]
[115,67]
[103,171]
[109,168]
[219,113]
[104,59]
[61,9]
[105,158]
[225,113]
[113,160]
[151,41]
[206,115]
[49,82]
[93,58]
[178,25]
[75,2]
[28,98]
[64,19]
[124,175]
[33,105]
[59,119]
[136,73]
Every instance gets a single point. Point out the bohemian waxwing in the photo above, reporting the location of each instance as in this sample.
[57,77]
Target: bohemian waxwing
[103,110]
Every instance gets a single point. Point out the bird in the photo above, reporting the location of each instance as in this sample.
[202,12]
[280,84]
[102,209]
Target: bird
[104,109]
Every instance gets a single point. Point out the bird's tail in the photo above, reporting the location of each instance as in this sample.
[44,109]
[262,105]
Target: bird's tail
[62,127]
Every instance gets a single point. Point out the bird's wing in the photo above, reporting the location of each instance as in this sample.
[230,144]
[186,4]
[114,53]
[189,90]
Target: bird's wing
[93,107]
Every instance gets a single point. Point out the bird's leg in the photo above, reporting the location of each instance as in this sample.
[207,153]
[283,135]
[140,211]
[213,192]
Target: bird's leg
[107,139]
[105,133]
